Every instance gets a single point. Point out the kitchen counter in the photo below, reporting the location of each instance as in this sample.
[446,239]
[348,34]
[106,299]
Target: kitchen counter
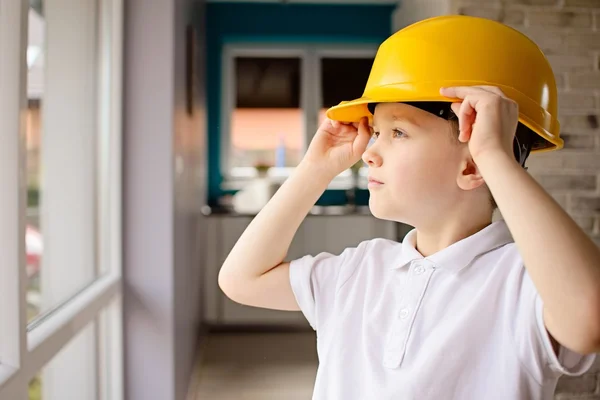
[329,229]
[315,211]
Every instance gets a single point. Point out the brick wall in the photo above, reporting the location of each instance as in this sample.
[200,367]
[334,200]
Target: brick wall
[568,31]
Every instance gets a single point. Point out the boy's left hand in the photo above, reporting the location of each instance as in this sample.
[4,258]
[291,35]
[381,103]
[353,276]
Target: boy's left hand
[487,119]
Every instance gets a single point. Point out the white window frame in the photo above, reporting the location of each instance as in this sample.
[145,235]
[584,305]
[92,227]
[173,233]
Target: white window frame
[310,99]
[26,349]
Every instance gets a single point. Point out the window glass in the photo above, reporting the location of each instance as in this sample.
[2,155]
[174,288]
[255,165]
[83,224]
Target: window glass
[61,146]
[267,121]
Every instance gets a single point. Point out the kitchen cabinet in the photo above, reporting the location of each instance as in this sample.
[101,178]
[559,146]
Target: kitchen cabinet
[318,233]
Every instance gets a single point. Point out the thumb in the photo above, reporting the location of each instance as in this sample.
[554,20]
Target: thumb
[362,139]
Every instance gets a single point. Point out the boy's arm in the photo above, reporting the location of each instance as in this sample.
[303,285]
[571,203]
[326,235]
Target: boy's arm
[562,261]
[564,264]
[254,272]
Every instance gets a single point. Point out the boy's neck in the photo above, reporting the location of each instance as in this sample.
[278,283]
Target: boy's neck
[435,239]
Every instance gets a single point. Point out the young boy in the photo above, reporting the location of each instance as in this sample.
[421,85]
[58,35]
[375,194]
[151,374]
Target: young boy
[464,308]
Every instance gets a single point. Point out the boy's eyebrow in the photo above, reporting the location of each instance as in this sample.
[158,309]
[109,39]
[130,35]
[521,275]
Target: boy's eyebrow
[398,117]
[411,120]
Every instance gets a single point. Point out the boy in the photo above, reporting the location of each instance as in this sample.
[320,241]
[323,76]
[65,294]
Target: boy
[458,310]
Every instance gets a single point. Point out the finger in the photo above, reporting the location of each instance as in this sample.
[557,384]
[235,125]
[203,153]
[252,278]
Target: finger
[460,92]
[363,137]
[455,107]
[334,123]
[493,89]
[466,118]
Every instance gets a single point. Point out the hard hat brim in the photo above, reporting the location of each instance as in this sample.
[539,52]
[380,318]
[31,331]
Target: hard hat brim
[352,111]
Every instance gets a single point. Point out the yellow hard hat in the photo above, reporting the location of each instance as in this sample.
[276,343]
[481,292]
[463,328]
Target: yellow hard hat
[415,62]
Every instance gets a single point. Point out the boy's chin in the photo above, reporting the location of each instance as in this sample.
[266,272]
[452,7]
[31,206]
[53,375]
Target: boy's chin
[381,211]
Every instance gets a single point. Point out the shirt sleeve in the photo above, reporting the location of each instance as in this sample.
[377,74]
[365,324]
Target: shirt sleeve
[534,343]
[315,280]
[567,362]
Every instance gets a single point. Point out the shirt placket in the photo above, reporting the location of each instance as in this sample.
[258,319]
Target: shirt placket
[419,275]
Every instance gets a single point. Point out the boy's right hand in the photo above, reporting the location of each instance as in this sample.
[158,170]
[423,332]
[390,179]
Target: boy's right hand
[337,146]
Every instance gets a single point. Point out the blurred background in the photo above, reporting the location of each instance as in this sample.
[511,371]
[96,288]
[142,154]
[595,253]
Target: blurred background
[142,136]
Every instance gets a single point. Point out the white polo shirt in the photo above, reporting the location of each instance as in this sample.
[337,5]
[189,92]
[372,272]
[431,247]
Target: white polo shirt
[465,323]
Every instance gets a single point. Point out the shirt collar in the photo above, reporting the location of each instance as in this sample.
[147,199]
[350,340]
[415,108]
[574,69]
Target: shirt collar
[460,254]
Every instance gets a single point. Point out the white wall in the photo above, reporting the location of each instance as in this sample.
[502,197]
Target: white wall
[164,159]
[189,149]
[410,11]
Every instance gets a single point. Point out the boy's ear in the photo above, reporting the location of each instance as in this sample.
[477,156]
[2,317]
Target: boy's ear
[469,176]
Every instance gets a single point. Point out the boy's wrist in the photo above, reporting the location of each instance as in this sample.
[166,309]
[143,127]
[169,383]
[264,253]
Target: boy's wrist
[491,161]
[317,173]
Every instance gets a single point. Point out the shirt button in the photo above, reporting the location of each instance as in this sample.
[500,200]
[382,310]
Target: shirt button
[419,270]
[404,313]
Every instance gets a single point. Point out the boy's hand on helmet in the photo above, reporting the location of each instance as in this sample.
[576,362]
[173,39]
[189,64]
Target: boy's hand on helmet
[487,119]
[337,146]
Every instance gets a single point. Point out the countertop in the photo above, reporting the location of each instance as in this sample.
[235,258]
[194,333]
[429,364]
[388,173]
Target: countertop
[315,211]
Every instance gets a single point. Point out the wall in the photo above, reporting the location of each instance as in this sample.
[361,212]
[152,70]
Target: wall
[568,31]
[279,23]
[410,11]
[164,159]
[190,231]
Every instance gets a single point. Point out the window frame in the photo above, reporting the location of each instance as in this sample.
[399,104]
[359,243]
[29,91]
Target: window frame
[310,100]
[25,349]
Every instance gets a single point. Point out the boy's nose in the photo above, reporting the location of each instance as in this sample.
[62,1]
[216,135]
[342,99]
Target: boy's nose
[372,158]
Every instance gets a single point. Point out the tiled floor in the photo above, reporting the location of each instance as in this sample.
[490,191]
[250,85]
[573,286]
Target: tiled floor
[258,366]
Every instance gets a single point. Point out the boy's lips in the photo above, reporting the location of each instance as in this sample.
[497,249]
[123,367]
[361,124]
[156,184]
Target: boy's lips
[374,182]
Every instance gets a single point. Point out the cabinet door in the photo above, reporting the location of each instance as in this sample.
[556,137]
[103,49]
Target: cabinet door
[389,230]
[333,234]
[213,261]
[234,313]
[317,234]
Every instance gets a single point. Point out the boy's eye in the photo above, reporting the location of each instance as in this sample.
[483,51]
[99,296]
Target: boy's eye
[398,133]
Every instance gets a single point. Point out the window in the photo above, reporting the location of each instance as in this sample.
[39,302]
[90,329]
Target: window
[61,134]
[60,274]
[51,383]
[274,99]
[267,123]
[342,78]
[95,352]
[33,238]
